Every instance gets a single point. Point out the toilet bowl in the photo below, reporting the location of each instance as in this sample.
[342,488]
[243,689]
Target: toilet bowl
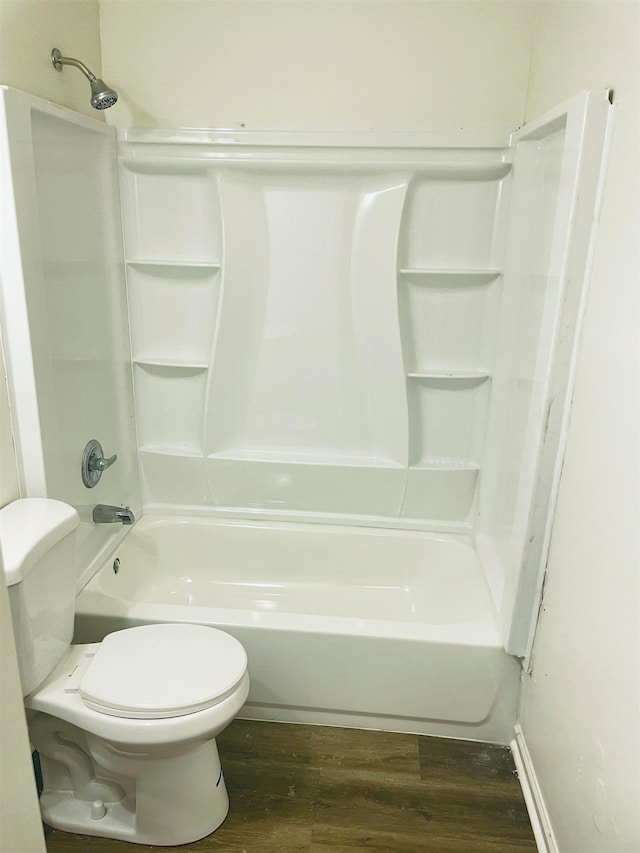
[125,728]
[144,706]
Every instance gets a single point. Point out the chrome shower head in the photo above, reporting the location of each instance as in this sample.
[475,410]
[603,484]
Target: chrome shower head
[102,97]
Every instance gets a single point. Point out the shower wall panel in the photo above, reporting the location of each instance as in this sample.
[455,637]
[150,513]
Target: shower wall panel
[557,170]
[313,325]
[64,309]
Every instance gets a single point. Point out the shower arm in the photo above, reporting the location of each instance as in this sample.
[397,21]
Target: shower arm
[58,61]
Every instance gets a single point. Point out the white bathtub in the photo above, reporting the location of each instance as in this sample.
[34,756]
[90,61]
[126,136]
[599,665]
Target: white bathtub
[349,626]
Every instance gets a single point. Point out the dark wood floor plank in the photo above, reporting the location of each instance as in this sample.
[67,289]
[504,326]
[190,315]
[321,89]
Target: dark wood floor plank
[478,783]
[308,789]
[272,789]
[282,743]
[58,841]
[425,845]
[373,794]
[256,837]
[459,761]
[357,750]
[393,815]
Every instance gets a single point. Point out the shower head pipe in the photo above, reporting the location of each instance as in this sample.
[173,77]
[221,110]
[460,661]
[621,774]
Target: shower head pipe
[58,60]
[102,96]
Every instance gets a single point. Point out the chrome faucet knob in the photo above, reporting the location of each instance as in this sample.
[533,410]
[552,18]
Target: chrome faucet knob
[94,463]
[100,463]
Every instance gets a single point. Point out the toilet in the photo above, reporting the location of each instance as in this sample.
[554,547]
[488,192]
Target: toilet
[125,728]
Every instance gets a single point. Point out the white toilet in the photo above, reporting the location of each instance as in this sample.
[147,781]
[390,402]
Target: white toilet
[125,728]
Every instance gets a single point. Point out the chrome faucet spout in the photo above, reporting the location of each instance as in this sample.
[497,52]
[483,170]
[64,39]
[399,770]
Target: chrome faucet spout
[105,514]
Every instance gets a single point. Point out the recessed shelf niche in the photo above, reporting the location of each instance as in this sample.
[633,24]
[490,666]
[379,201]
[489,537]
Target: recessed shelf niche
[448,322]
[447,416]
[450,225]
[176,215]
[170,406]
[173,309]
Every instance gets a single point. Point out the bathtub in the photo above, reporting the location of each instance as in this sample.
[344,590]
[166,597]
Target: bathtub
[386,629]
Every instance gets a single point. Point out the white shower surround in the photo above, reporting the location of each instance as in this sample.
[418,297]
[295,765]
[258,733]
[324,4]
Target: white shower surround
[448,418]
[371,329]
[313,321]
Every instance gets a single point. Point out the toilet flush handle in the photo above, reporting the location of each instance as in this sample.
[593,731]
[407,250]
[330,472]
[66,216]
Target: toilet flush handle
[94,463]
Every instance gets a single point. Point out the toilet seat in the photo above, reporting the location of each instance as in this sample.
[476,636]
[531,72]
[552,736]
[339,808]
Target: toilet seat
[159,671]
[60,697]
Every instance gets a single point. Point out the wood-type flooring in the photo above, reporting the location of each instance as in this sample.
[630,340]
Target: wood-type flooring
[311,789]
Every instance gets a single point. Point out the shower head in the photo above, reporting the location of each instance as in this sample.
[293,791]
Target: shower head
[102,97]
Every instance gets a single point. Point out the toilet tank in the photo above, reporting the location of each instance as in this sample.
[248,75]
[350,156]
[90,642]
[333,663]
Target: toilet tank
[37,544]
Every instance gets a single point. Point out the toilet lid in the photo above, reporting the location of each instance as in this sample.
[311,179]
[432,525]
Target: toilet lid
[156,671]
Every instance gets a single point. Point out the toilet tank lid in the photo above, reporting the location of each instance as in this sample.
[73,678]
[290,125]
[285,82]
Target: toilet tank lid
[30,527]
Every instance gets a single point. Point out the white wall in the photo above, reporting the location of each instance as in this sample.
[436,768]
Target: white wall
[579,709]
[29,29]
[355,64]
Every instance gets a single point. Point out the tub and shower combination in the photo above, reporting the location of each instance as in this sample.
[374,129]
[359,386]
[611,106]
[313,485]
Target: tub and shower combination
[349,626]
[335,371]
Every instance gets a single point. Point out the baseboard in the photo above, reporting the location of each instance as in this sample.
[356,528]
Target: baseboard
[538,815]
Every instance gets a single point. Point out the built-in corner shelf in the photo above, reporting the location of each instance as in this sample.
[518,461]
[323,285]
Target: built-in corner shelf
[169,165]
[149,264]
[438,464]
[450,277]
[454,378]
[160,364]
[307,456]
[179,451]
[476,168]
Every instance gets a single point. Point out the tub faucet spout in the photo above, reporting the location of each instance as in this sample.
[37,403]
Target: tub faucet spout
[105,514]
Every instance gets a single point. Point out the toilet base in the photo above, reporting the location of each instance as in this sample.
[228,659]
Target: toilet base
[62,810]
[163,800]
